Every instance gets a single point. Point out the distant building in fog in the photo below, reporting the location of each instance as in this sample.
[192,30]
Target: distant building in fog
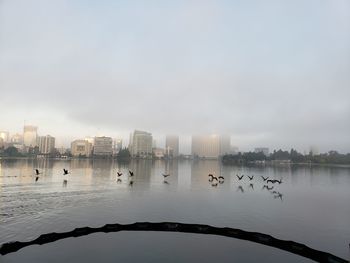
[225,144]
[141,144]
[81,148]
[172,146]
[103,146]
[46,144]
[5,136]
[264,150]
[117,145]
[30,134]
[210,146]
[158,153]
[17,138]
[206,146]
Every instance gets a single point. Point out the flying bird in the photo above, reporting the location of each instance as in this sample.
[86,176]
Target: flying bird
[264,178]
[131,173]
[37,172]
[251,177]
[221,178]
[165,175]
[65,171]
[240,177]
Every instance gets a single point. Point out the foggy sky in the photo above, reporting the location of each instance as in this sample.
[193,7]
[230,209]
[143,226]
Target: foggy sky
[269,73]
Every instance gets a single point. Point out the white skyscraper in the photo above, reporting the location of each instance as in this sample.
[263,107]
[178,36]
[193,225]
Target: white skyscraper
[30,134]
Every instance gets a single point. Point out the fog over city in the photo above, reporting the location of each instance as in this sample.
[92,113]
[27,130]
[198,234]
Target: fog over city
[268,74]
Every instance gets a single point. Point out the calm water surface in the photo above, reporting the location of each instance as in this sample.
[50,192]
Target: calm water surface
[313,208]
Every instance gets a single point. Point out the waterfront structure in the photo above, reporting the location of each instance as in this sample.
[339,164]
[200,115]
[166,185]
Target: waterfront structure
[158,153]
[81,148]
[30,135]
[264,150]
[103,146]
[172,146]
[141,144]
[5,136]
[46,144]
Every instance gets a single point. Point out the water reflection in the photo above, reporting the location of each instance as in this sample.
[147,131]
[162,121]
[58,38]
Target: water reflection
[93,192]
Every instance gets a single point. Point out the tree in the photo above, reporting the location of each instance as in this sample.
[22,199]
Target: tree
[12,152]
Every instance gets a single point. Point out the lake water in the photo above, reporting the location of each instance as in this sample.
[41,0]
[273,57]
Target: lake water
[313,208]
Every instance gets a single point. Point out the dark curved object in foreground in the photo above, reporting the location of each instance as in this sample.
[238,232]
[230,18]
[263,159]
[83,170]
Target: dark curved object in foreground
[290,246]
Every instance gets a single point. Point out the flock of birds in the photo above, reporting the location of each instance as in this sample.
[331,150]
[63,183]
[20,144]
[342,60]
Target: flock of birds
[269,183]
[269,186]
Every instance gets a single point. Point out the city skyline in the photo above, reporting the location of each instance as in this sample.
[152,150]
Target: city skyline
[270,74]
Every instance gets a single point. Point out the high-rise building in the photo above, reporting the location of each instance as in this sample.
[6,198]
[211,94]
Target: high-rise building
[141,144]
[5,136]
[46,144]
[103,146]
[30,134]
[225,144]
[117,145]
[172,146]
[206,146]
[81,148]
[264,150]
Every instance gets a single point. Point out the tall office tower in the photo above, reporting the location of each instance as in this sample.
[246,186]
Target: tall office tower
[30,134]
[5,136]
[206,146]
[118,145]
[141,144]
[81,148]
[103,146]
[46,144]
[172,146]
[264,150]
[225,144]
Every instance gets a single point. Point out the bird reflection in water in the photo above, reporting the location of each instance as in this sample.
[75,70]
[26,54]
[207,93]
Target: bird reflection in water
[119,181]
[165,182]
[240,189]
[251,186]
[131,183]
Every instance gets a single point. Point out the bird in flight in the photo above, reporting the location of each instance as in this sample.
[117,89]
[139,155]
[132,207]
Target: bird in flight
[65,171]
[165,175]
[131,173]
[239,177]
[119,174]
[251,177]
[264,178]
[37,172]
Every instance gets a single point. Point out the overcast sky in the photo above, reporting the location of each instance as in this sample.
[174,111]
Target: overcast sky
[270,73]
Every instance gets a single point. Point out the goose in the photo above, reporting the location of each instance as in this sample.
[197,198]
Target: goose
[264,178]
[251,177]
[119,174]
[37,172]
[65,171]
[221,178]
[165,175]
[131,173]
[240,177]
